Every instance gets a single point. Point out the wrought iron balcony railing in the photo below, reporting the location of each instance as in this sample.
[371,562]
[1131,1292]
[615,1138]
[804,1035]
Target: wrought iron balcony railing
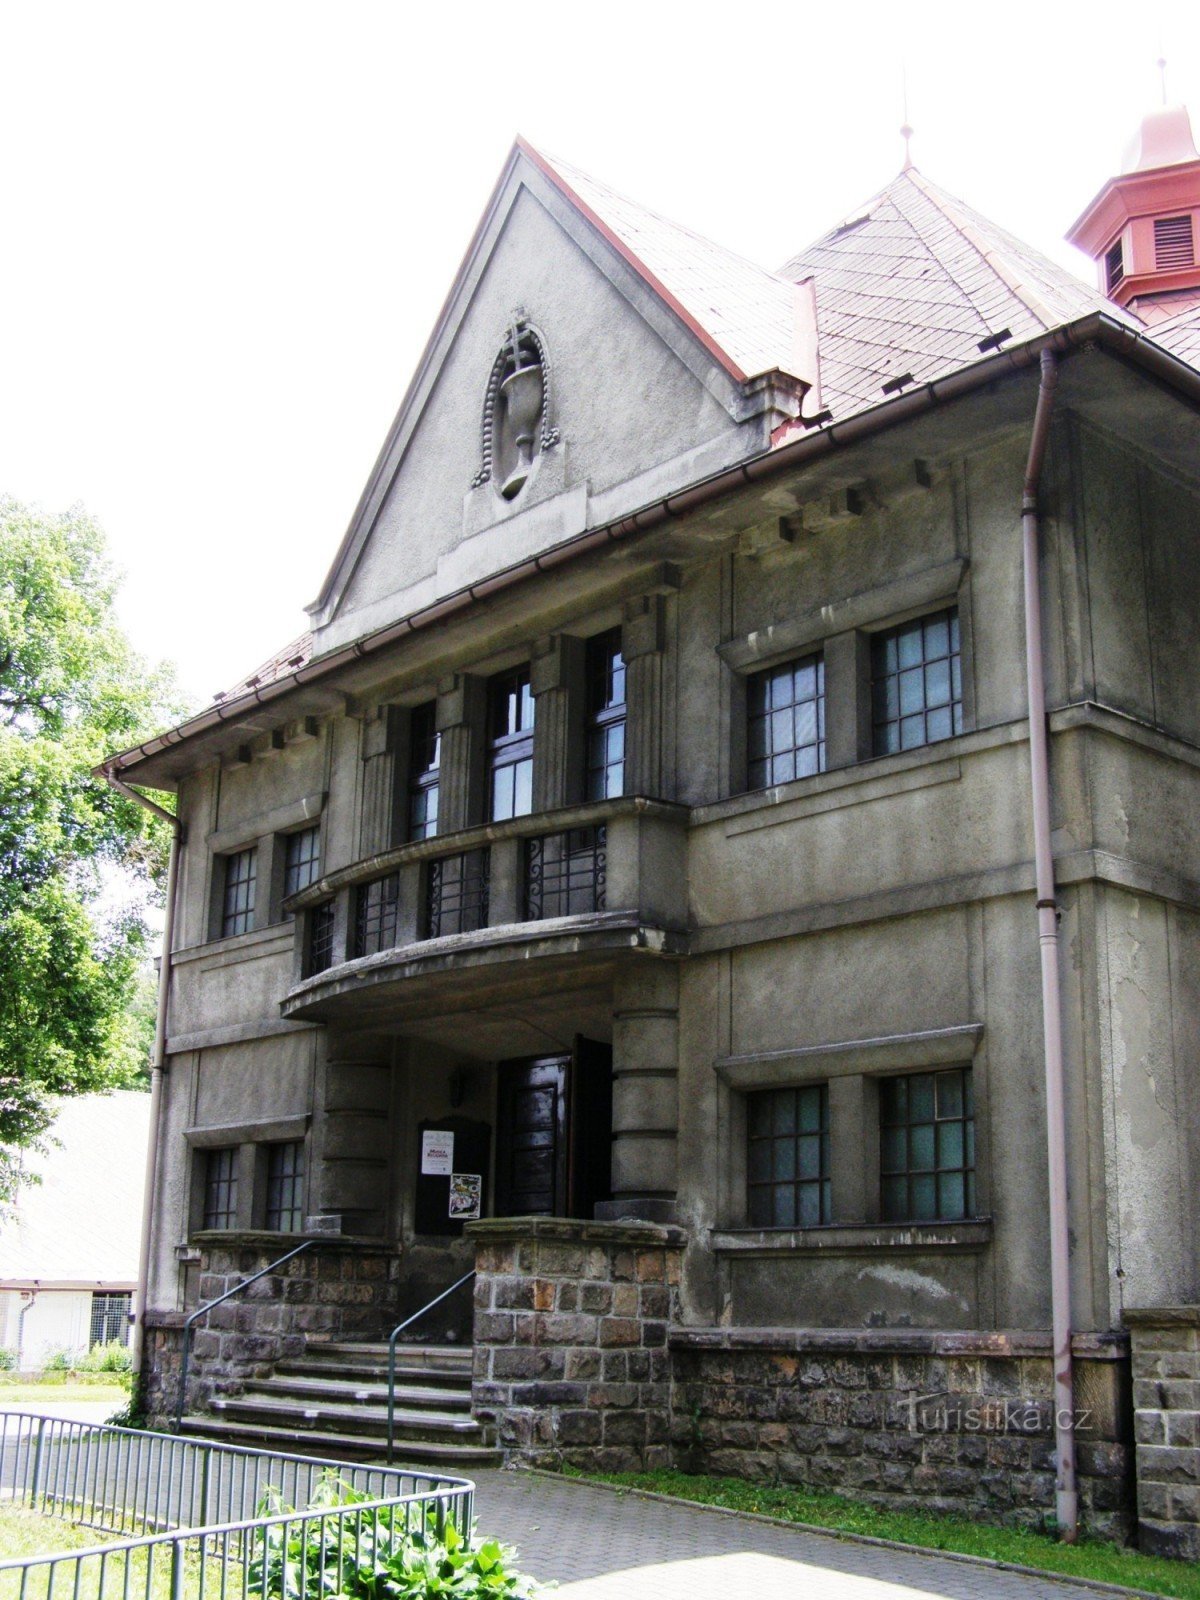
[566,873]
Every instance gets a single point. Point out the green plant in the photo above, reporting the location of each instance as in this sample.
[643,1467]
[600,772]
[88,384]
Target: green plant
[60,1360]
[111,1357]
[376,1554]
[133,1413]
[8,1359]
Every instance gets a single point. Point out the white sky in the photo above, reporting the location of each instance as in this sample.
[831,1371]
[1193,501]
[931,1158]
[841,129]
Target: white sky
[226,229]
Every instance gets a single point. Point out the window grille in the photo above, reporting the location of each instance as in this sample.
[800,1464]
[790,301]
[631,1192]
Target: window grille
[916,683]
[1174,245]
[927,1146]
[605,672]
[457,893]
[511,713]
[110,1319]
[378,915]
[785,731]
[321,921]
[424,772]
[565,874]
[220,1188]
[788,1157]
[1114,266]
[302,861]
[241,872]
[285,1187]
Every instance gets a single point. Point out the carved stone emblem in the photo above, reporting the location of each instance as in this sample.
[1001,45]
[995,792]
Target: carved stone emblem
[516,411]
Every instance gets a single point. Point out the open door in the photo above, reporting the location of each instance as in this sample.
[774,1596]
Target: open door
[554,1133]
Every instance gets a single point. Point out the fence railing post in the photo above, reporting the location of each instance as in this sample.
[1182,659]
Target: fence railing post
[36,1485]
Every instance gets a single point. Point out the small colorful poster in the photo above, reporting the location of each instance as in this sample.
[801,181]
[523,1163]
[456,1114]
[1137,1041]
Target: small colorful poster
[437,1154]
[466,1195]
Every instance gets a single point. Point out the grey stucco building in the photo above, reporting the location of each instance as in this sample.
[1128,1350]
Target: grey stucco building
[649,809]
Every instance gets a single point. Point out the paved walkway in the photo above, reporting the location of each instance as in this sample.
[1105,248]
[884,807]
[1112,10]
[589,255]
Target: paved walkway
[605,1546]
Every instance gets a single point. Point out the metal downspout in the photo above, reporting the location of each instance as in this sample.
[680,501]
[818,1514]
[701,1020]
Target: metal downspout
[157,1068]
[1066,1494]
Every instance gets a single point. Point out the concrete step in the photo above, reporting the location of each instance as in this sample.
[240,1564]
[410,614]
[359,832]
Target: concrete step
[371,1372]
[357,1419]
[453,1356]
[354,1391]
[449,1456]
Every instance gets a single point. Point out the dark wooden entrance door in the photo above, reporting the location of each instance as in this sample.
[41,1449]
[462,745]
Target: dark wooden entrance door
[554,1133]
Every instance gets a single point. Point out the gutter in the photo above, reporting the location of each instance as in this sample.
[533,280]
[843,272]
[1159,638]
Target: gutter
[1123,341]
[157,1063]
[1066,1494]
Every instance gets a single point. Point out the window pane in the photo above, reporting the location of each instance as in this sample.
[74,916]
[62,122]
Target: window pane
[920,1148]
[811,1206]
[758,1115]
[937,684]
[922,1191]
[894,1196]
[951,1195]
[937,637]
[920,1098]
[784,1120]
[894,1150]
[810,1156]
[760,1208]
[783,1164]
[785,719]
[811,1101]
[760,1161]
[949,1094]
[950,1144]
[916,687]
[785,1206]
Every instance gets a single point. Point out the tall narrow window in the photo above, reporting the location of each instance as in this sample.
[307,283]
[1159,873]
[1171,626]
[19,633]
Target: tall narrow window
[510,745]
[605,717]
[788,1157]
[927,1146]
[285,1187]
[378,915]
[241,871]
[220,1188]
[916,683]
[303,860]
[785,731]
[424,771]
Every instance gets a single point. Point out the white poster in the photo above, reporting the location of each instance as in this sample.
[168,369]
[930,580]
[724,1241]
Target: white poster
[437,1154]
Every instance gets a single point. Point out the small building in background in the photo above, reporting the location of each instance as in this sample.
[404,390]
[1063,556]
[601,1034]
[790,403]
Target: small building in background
[69,1247]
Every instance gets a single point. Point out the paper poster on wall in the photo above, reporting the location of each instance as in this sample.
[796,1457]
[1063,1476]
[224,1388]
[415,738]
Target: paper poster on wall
[437,1153]
[466,1195]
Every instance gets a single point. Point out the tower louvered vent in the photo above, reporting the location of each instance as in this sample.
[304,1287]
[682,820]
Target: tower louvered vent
[1114,266]
[1173,243]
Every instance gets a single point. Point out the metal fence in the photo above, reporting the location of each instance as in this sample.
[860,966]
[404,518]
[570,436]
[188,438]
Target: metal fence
[207,1518]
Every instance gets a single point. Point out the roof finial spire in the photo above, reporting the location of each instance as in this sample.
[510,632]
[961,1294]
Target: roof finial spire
[1161,64]
[906,131]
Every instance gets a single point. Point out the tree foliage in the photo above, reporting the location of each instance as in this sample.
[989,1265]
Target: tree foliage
[80,864]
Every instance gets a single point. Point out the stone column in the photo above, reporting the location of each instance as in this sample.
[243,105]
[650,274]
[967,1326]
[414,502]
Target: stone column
[847,699]
[385,779]
[1166,1425]
[557,680]
[643,636]
[645,1095]
[461,721]
[351,1156]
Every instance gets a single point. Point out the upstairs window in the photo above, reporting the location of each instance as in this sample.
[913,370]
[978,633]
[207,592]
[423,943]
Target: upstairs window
[916,683]
[1114,266]
[424,771]
[927,1146]
[1174,244]
[378,915]
[285,1187]
[785,732]
[510,745]
[322,924]
[302,864]
[237,907]
[605,668]
[221,1188]
[788,1180]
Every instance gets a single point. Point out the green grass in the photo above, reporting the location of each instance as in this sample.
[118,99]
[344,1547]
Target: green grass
[30,1533]
[1091,1558]
[102,1389]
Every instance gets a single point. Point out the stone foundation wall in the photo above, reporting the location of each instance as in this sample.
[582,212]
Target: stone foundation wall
[957,1422]
[332,1291]
[571,1357]
[1166,1419]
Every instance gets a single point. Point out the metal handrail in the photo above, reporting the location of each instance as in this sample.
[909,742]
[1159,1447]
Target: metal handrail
[395,1334]
[202,1310]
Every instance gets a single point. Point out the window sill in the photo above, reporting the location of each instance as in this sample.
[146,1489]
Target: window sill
[235,943]
[854,1238]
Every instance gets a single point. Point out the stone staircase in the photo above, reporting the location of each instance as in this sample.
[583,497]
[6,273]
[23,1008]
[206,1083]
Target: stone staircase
[332,1401]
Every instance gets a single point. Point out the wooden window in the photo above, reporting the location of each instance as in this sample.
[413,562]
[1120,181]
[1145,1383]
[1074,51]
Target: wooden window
[378,914]
[237,912]
[510,745]
[785,730]
[285,1187]
[916,686]
[302,864]
[788,1157]
[927,1146]
[424,772]
[605,670]
[221,1187]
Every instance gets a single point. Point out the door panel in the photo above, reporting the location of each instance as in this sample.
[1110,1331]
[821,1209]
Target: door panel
[531,1141]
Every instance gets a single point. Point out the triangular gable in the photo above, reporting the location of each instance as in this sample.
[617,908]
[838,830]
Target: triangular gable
[751,323]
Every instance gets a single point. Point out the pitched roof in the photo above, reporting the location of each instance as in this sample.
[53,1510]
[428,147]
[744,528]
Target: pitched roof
[1180,335]
[286,660]
[915,280]
[752,318]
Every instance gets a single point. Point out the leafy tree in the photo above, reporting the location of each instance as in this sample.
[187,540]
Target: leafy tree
[73,950]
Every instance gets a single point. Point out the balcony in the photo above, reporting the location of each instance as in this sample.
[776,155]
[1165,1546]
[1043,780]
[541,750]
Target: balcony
[535,900]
